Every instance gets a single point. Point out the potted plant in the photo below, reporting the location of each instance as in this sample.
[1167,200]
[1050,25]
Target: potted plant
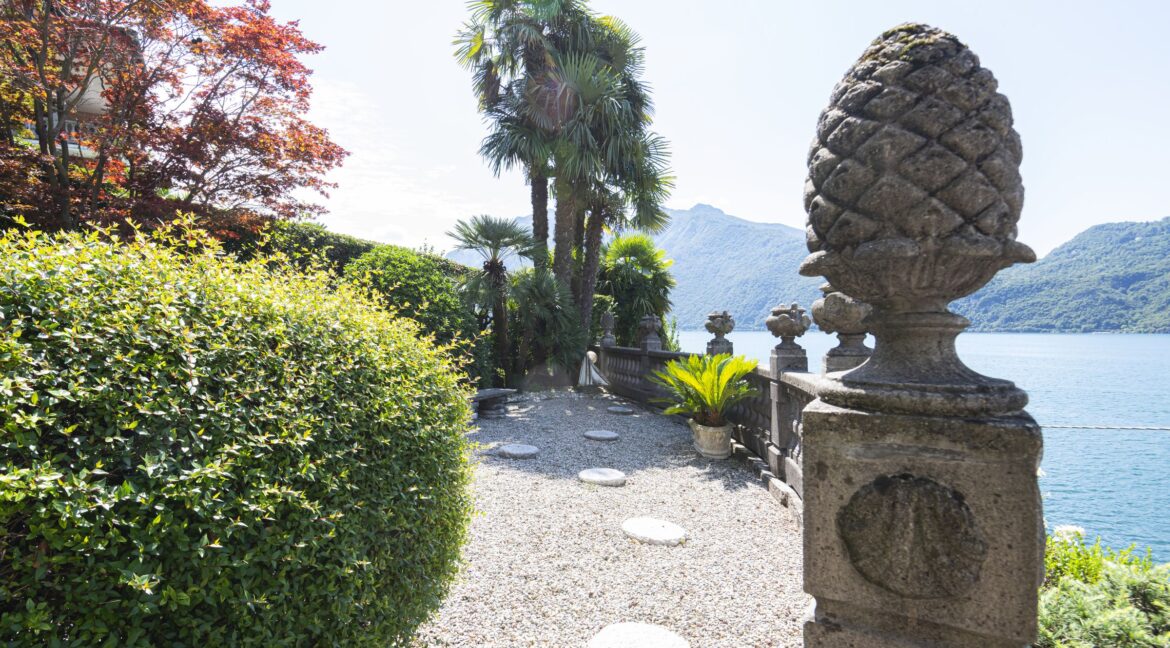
[703,387]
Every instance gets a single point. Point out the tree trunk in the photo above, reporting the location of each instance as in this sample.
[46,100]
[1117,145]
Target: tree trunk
[578,246]
[589,267]
[540,218]
[563,234]
[500,325]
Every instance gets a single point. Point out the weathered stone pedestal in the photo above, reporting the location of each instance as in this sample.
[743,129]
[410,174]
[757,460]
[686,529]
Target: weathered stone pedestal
[922,513]
[921,530]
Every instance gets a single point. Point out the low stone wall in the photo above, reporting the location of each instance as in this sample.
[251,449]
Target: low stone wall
[767,424]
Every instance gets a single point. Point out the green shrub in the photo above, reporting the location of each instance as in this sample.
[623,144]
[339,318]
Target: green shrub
[301,241]
[418,286]
[1068,555]
[199,452]
[1095,597]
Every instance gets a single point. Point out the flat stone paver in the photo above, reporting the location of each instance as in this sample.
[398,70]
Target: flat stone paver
[602,476]
[653,531]
[636,635]
[602,435]
[517,451]
[619,409]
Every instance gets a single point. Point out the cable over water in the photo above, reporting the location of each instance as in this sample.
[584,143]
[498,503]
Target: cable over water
[1107,427]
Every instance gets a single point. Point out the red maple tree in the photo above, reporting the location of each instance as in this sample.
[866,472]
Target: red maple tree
[117,110]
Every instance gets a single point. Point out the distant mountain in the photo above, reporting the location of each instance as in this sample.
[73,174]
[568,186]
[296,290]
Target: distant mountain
[1111,277]
[726,263]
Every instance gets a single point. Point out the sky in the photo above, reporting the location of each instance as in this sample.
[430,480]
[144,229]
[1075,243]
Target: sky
[738,86]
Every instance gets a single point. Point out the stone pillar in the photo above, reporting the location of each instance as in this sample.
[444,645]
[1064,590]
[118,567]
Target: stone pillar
[719,324]
[922,512]
[786,323]
[839,313]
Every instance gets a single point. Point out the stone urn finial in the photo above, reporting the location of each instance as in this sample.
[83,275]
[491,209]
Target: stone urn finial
[648,328]
[607,325]
[913,196]
[839,313]
[788,323]
[719,324]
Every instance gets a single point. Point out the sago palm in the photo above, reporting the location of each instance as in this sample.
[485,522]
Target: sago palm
[496,240]
[704,387]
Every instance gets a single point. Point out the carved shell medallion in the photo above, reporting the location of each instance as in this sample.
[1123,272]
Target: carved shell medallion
[913,536]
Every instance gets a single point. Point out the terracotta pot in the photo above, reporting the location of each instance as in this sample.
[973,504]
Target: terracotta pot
[712,442]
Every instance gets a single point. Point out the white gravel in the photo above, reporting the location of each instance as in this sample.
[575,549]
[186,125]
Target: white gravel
[548,564]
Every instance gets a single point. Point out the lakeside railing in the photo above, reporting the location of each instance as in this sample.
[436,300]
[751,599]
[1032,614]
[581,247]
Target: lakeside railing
[766,424]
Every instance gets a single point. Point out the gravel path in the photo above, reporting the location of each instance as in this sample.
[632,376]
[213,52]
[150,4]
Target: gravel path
[548,564]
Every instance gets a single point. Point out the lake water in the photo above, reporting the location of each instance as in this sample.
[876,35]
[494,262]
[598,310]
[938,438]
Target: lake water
[1115,483]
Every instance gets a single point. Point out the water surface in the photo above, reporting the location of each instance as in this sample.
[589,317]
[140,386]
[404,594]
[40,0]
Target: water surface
[1114,482]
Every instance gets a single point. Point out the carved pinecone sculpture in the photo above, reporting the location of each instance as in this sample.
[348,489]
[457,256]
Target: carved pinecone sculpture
[915,158]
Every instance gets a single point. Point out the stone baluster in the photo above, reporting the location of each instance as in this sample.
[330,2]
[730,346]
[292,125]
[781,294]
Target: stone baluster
[719,324]
[788,323]
[922,513]
[839,313]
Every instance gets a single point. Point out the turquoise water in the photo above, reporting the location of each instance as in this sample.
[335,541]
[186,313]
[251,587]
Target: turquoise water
[1115,483]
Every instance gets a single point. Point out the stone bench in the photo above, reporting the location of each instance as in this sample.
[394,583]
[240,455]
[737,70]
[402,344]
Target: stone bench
[490,403]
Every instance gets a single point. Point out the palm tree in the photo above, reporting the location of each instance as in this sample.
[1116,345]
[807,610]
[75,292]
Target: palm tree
[507,47]
[636,275]
[495,239]
[547,320]
[606,159]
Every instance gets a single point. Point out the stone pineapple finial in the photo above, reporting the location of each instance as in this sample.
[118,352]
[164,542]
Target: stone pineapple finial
[719,324]
[913,196]
[839,313]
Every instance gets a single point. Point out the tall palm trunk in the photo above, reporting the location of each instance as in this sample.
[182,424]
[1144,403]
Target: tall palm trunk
[500,325]
[593,232]
[539,218]
[563,234]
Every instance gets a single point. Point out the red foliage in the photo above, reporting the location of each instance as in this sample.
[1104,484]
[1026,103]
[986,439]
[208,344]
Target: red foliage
[136,108]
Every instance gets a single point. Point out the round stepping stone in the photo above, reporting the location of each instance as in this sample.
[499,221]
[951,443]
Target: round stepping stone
[601,435]
[602,476]
[517,451]
[636,635]
[619,409]
[656,532]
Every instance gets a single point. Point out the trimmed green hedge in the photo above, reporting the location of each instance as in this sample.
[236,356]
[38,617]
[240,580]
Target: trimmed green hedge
[423,288]
[300,241]
[199,452]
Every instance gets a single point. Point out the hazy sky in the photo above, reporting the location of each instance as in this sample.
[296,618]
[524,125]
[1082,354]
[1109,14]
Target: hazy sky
[738,86]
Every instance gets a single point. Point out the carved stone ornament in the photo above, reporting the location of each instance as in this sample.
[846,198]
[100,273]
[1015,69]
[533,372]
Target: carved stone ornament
[607,325]
[839,313]
[913,536]
[913,197]
[648,328]
[788,323]
[719,324]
